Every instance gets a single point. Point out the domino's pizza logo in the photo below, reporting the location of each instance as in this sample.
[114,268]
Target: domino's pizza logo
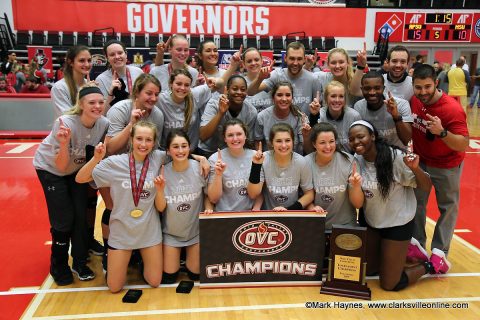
[477,28]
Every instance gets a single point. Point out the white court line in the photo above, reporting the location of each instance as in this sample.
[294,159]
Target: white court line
[34,290]
[245,308]
[37,300]
[461,240]
[462,230]
[16,157]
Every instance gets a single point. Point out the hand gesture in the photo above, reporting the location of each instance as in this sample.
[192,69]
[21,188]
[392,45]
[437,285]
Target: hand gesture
[362,56]
[204,166]
[355,179]
[115,83]
[201,76]
[136,115]
[265,72]
[310,60]
[305,125]
[223,103]
[220,166]
[434,124]
[159,181]
[259,156]
[63,134]
[211,82]
[411,160]
[315,105]
[162,47]
[237,57]
[100,151]
[391,105]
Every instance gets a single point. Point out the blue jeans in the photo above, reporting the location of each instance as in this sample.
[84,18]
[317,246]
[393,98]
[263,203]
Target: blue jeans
[475,93]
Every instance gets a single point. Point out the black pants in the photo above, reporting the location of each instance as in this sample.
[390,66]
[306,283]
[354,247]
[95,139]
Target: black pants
[67,204]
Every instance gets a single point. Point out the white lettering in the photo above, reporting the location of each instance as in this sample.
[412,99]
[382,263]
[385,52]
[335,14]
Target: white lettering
[166,17]
[181,18]
[134,22]
[197,19]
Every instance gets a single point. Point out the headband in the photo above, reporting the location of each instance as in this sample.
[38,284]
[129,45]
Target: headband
[88,90]
[363,123]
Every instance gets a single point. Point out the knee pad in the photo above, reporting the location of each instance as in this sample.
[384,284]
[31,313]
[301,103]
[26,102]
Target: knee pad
[106,216]
[403,283]
[193,276]
[169,278]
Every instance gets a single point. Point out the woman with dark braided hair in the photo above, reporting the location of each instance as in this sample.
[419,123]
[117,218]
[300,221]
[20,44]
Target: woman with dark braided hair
[388,180]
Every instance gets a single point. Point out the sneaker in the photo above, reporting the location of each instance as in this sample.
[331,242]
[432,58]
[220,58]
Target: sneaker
[62,275]
[104,262]
[439,261]
[416,253]
[95,247]
[83,272]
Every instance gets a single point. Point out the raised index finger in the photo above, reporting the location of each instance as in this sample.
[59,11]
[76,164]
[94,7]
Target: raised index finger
[61,122]
[430,117]
[364,46]
[318,96]
[390,95]
[167,44]
[354,168]
[219,155]
[260,146]
[115,75]
[162,170]
[240,51]
[88,77]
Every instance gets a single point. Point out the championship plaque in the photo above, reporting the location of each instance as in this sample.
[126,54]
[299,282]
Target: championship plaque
[347,265]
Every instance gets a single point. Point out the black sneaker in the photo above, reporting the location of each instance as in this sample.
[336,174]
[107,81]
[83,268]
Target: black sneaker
[95,247]
[83,272]
[62,275]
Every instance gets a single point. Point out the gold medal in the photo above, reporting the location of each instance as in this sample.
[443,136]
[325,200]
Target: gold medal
[136,213]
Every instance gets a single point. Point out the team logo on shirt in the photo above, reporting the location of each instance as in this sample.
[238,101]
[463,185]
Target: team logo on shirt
[326,198]
[368,194]
[262,238]
[144,194]
[242,192]
[184,207]
[79,160]
[281,198]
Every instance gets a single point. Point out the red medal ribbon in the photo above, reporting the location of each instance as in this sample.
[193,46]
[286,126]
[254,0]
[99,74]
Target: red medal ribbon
[129,79]
[137,189]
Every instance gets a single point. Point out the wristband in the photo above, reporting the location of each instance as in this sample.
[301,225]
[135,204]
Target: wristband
[360,67]
[295,206]
[255,173]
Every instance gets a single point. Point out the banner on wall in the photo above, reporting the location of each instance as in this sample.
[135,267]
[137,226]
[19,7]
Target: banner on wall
[263,248]
[190,18]
[42,56]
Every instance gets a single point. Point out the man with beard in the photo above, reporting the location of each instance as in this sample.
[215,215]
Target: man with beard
[303,82]
[34,84]
[397,80]
[391,117]
[440,137]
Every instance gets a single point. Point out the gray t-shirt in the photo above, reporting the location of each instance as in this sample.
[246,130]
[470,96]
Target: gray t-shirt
[248,115]
[61,99]
[105,79]
[184,193]
[265,121]
[261,100]
[403,90]
[120,114]
[305,86]
[342,125]
[81,136]
[281,185]
[234,180]
[163,75]
[127,232]
[401,204]
[175,114]
[383,121]
[330,183]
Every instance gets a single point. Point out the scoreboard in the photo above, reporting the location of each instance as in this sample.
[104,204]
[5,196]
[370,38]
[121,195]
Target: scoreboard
[437,27]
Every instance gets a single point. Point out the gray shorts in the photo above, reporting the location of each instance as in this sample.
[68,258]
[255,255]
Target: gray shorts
[174,241]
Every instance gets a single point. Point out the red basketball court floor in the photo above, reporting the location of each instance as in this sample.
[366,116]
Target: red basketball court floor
[24,225]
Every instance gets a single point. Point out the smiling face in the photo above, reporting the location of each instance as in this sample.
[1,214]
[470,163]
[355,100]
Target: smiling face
[143,141]
[425,90]
[335,98]
[82,63]
[397,64]
[253,61]
[361,141]
[209,54]
[372,90]
[237,91]
[283,97]
[180,86]
[235,137]
[179,149]
[92,105]
[325,144]
[147,97]
[338,64]
[179,50]
[295,60]
[116,56]
[282,143]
